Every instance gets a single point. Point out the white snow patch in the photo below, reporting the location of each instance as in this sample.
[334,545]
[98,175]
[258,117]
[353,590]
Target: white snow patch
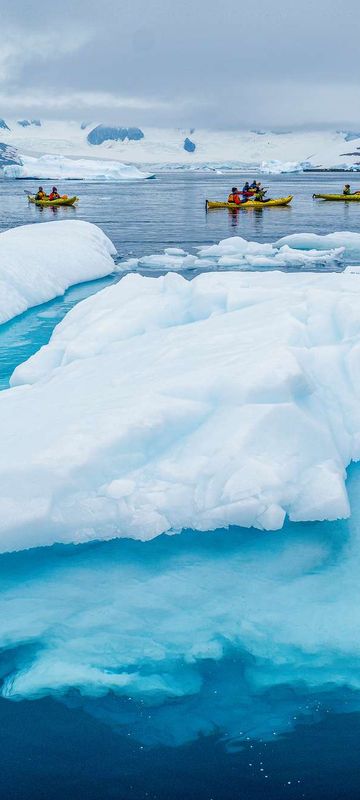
[39,262]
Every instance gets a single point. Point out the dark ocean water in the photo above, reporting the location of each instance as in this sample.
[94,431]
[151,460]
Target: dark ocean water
[300,740]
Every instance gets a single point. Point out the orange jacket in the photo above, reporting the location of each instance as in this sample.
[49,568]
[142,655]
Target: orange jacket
[234,198]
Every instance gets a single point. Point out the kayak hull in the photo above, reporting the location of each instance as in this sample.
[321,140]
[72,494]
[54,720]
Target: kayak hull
[347,198]
[279,201]
[68,201]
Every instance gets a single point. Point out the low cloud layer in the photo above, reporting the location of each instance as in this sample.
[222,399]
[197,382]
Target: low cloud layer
[197,64]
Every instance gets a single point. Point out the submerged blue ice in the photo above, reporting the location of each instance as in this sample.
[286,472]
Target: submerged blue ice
[227,632]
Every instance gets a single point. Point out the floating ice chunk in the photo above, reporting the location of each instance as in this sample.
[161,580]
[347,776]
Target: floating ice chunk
[239,253]
[307,241]
[61,168]
[174,251]
[161,404]
[173,259]
[39,262]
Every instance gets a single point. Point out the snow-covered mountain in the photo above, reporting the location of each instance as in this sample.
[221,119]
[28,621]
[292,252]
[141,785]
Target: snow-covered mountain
[291,150]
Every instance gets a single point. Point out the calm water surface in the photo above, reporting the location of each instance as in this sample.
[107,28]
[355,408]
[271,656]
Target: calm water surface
[52,750]
[144,217]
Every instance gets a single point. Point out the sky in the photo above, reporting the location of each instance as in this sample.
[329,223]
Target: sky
[199,63]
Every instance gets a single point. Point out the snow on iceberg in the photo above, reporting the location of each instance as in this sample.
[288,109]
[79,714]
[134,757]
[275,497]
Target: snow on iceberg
[39,262]
[162,404]
[61,168]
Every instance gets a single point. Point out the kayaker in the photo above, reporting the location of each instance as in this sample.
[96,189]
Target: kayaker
[234,196]
[346,189]
[54,194]
[246,191]
[260,195]
[254,185]
[40,194]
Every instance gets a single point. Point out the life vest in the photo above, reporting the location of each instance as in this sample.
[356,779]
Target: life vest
[234,198]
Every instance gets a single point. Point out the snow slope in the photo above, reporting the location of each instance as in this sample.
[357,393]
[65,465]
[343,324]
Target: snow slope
[161,404]
[60,168]
[39,262]
[321,147]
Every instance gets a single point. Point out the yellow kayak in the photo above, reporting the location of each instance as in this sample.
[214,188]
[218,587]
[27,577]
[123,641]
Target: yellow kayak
[63,201]
[278,201]
[346,197]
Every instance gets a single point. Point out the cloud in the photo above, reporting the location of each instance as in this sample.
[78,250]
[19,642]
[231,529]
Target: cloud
[18,49]
[202,63]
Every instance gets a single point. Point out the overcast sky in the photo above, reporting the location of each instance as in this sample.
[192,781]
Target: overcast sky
[212,63]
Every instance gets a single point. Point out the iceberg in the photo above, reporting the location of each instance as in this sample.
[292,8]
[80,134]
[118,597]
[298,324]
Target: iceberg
[39,262]
[62,168]
[227,634]
[161,404]
[275,167]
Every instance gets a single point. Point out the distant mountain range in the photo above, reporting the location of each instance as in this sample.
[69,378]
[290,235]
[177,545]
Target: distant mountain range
[273,151]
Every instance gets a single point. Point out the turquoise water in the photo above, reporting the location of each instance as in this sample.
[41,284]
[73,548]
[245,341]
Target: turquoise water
[232,735]
[24,335]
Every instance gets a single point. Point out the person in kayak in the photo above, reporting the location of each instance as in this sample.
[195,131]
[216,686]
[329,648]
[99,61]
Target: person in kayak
[246,191]
[234,196]
[260,195]
[346,189]
[40,194]
[54,194]
[254,185]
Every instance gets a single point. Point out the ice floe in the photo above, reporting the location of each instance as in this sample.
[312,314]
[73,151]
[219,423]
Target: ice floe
[161,404]
[299,251]
[39,262]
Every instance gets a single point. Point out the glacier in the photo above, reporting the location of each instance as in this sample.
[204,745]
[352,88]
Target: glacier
[161,404]
[61,168]
[156,145]
[39,262]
